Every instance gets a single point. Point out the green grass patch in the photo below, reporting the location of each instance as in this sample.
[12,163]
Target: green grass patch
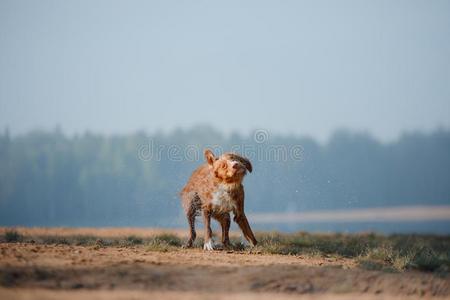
[12,236]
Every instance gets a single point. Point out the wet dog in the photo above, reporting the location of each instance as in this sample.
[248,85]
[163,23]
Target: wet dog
[215,189]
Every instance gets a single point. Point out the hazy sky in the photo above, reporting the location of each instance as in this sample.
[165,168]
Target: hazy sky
[305,67]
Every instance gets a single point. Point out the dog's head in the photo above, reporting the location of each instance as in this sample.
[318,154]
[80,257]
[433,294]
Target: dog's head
[229,167]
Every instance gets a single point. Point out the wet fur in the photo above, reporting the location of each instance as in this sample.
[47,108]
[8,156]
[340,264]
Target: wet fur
[215,189]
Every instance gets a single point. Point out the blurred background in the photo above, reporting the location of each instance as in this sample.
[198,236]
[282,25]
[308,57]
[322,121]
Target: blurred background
[95,94]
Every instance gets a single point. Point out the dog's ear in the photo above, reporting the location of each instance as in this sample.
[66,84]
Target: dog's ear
[246,163]
[243,161]
[209,156]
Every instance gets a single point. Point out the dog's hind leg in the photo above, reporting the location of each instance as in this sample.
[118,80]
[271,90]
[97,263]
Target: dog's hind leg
[191,213]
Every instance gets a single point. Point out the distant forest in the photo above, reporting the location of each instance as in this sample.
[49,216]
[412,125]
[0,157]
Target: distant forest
[49,179]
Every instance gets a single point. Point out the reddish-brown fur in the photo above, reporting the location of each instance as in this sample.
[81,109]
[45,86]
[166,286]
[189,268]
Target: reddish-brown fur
[215,189]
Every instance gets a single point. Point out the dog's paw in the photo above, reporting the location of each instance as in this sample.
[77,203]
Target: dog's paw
[188,244]
[226,246]
[209,245]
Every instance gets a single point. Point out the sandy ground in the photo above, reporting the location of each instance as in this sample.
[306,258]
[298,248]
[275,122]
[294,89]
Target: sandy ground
[32,271]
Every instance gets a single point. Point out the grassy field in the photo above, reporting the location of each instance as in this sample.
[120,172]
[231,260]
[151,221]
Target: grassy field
[393,253]
[403,265]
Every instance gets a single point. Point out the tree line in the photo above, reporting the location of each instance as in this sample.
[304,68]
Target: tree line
[51,179]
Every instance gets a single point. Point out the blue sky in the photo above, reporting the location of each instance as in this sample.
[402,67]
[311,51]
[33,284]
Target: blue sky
[301,67]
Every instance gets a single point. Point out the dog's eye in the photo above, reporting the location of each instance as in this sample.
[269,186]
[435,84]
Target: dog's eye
[223,166]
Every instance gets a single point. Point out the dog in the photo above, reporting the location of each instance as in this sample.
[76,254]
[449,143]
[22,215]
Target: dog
[215,189]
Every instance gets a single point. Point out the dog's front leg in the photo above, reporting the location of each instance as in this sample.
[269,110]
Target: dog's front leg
[208,245]
[224,220]
[242,221]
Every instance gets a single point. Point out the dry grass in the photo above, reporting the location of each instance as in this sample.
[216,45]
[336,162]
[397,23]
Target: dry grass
[394,253]
[69,262]
[372,251]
